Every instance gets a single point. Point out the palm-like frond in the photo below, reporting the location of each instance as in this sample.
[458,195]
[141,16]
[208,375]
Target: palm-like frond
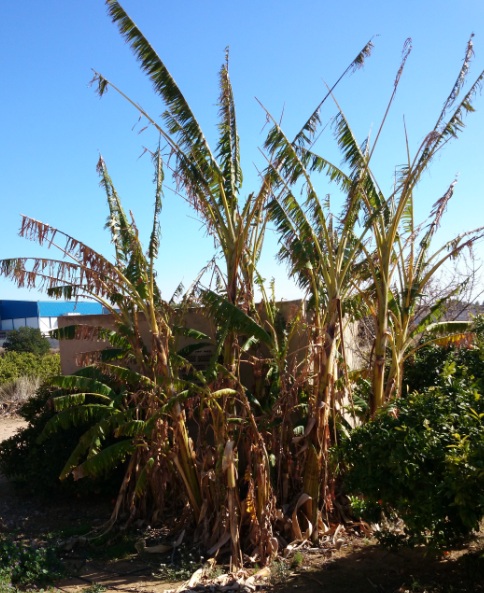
[133,428]
[296,239]
[123,234]
[128,376]
[305,137]
[130,259]
[75,416]
[450,250]
[182,120]
[105,461]
[450,330]
[188,350]
[154,244]
[433,316]
[86,272]
[447,126]
[230,316]
[228,150]
[90,442]
[459,83]
[189,332]
[363,185]
[85,385]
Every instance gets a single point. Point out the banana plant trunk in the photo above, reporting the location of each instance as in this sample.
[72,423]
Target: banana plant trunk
[394,380]
[377,397]
[316,476]
[183,453]
[184,462]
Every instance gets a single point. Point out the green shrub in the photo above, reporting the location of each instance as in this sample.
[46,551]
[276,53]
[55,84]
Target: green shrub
[26,565]
[423,462]
[426,367]
[14,365]
[27,339]
[35,465]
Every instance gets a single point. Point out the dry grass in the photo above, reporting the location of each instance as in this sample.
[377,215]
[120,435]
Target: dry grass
[18,390]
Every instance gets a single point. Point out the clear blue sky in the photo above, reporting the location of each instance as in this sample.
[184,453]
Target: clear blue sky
[53,126]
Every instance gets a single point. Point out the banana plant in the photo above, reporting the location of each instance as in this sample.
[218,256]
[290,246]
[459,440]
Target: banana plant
[385,216]
[415,266]
[321,250]
[385,231]
[143,320]
[212,182]
[316,254]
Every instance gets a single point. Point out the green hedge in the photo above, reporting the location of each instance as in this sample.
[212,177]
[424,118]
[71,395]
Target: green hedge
[423,462]
[14,365]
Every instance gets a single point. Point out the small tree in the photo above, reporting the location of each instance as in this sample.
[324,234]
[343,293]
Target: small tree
[27,339]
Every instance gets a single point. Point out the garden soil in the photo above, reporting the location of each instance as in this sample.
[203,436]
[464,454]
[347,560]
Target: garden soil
[352,563]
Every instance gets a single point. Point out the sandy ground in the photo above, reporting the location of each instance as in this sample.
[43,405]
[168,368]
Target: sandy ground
[9,425]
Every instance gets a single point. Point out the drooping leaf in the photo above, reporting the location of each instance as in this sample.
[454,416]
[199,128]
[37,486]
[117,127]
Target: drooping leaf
[105,461]
[83,384]
[230,316]
[74,416]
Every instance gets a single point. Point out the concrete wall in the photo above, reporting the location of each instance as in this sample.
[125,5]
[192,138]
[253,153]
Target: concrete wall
[72,351]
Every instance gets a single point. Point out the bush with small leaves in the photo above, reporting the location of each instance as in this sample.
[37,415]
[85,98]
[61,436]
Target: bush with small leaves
[14,365]
[26,565]
[425,368]
[423,462]
[35,466]
[27,339]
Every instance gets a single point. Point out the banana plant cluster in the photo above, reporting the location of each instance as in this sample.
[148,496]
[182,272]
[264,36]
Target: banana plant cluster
[252,462]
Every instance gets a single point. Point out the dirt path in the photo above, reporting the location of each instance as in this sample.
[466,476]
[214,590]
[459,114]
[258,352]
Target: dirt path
[9,425]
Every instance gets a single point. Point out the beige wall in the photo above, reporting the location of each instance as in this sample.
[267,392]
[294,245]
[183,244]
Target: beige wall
[72,351]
